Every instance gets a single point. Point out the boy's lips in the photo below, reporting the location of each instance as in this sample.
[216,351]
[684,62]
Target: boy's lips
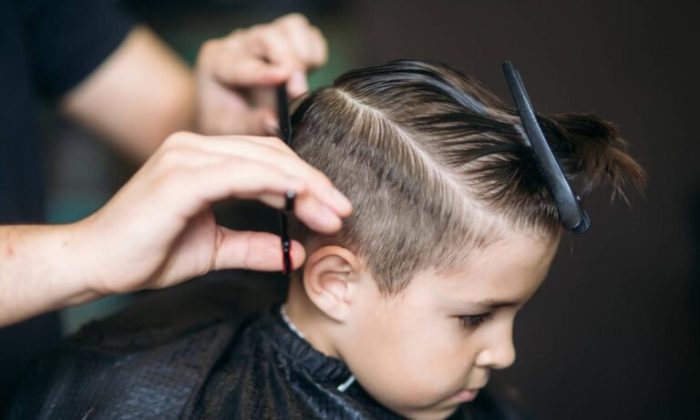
[466,395]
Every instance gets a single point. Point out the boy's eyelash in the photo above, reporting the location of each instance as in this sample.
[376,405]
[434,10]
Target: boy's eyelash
[473,321]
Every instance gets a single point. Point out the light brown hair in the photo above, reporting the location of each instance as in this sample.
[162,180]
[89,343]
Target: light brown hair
[436,165]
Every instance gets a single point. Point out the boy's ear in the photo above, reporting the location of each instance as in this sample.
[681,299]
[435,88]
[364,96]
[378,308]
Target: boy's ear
[331,275]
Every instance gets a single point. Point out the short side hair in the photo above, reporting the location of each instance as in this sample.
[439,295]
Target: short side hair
[436,165]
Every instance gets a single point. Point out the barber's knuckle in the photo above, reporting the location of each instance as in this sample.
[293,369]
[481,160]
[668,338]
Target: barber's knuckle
[208,50]
[175,155]
[237,33]
[295,19]
[257,31]
[172,157]
[177,139]
[323,43]
[260,27]
[317,35]
[209,45]
[313,176]
[273,38]
[168,184]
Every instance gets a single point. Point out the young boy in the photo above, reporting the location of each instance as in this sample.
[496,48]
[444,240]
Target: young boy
[406,310]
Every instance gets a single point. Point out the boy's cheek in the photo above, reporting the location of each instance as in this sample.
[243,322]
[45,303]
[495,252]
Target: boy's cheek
[408,365]
[409,390]
[399,383]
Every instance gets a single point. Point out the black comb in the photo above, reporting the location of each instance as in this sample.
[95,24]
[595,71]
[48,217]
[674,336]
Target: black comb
[285,128]
[571,215]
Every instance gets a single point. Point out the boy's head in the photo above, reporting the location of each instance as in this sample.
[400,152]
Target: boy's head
[453,227]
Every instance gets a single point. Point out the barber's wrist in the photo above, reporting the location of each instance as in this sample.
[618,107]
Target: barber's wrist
[90,251]
[67,269]
[40,270]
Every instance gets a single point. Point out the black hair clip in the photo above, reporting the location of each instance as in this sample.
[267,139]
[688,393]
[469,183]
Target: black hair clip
[572,216]
[286,135]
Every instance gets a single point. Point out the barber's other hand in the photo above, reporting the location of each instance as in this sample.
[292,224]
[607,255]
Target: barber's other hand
[236,74]
[159,230]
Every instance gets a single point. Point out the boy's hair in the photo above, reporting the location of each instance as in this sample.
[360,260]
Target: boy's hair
[435,165]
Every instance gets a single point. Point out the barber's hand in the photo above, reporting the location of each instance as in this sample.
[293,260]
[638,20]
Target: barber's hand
[236,74]
[159,230]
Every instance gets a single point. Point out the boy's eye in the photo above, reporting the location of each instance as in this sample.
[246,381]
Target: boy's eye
[473,321]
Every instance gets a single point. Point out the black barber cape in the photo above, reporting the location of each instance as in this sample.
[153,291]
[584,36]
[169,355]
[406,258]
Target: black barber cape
[215,359]
[46,48]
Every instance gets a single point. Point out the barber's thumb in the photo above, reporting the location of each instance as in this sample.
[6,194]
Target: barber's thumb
[260,251]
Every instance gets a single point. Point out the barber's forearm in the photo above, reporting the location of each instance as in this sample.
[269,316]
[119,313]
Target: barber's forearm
[142,93]
[39,271]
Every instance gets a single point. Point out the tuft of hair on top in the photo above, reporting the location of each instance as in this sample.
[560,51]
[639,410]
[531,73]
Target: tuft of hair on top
[435,165]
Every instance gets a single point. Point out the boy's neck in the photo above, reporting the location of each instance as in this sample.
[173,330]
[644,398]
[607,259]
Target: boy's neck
[312,323]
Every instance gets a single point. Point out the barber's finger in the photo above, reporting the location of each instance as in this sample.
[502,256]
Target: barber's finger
[309,45]
[318,48]
[227,144]
[273,200]
[307,41]
[272,141]
[305,210]
[284,160]
[233,177]
[309,210]
[295,28]
[245,179]
[259,155]
[280,51]
[232,67]
[270,150]
[277,48]
[254,251]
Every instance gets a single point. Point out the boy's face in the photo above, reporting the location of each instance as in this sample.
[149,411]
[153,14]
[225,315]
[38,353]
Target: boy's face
[431,347]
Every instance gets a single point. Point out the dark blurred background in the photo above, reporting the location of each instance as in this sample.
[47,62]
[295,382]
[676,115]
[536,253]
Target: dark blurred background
[614,332]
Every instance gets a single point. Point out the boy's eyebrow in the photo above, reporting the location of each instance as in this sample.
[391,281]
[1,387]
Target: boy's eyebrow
[491,304]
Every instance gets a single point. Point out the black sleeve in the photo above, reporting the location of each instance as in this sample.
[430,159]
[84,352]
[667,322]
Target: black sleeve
[68,39]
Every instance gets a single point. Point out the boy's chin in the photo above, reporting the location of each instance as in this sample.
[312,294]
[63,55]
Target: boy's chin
[440,411]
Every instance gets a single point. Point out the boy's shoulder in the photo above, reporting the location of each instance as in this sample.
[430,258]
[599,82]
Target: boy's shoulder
[148,360]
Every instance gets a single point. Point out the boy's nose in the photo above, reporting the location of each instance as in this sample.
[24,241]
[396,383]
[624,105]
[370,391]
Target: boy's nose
[499,355]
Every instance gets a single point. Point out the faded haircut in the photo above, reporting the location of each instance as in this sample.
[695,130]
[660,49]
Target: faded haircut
[435,166]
